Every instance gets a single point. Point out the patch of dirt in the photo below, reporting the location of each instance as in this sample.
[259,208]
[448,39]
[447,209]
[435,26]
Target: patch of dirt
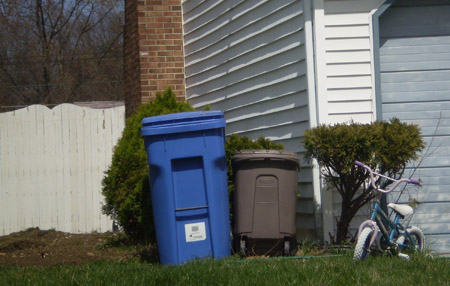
[35,247]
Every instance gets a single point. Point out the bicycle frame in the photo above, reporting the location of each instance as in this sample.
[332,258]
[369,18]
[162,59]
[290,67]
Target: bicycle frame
[395,227]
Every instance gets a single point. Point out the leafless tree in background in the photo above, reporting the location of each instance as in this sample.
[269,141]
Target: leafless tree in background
[60,51]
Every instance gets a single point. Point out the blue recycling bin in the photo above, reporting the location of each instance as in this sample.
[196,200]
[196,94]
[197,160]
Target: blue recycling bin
[188,181]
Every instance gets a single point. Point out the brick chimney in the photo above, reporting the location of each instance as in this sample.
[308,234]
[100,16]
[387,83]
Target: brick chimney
[153,51]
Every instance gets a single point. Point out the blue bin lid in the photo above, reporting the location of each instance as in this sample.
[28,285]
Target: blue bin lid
[182,122]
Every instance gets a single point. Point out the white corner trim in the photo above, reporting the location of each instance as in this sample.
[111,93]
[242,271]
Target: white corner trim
[372,59]
[320,60]
[312,105]
[324,199]
[310,63]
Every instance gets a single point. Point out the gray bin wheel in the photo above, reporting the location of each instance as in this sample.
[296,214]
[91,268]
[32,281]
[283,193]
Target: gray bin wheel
[287,247]
[243,246]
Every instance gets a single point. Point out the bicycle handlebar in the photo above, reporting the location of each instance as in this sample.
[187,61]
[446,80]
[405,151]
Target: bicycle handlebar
[397,182]
[357,163]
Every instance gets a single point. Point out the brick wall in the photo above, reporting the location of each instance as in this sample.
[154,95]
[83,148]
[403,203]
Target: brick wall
[153,50]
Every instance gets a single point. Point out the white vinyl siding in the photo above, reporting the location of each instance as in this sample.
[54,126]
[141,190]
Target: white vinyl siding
[248,59]
[344,60]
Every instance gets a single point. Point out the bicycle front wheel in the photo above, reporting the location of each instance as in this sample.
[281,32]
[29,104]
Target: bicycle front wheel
[363,244]
[418,239]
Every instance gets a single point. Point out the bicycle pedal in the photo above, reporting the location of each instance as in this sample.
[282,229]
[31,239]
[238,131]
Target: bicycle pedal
[404,256]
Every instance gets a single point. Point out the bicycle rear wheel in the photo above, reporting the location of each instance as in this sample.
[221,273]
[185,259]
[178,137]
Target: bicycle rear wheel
[418,237]
[363,244]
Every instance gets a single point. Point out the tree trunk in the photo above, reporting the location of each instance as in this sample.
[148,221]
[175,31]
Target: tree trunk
[348,211]
[342,227]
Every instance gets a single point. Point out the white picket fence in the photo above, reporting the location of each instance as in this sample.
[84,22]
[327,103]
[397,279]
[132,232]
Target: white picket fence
[52,162]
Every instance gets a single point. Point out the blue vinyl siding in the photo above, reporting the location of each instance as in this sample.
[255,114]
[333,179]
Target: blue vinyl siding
[415,87]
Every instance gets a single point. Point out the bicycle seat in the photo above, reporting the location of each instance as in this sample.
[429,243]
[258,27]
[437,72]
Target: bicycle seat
[404,210]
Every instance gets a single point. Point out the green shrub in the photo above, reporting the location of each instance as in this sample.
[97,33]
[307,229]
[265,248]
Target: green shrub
[126,184]
[386,146]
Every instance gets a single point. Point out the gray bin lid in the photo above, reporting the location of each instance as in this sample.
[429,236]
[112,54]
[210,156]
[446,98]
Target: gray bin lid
[275,155]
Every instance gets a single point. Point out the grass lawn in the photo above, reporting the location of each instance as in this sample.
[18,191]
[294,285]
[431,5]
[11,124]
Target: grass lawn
[340,270]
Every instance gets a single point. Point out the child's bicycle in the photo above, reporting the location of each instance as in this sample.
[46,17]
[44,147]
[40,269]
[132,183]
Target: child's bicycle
[391,236]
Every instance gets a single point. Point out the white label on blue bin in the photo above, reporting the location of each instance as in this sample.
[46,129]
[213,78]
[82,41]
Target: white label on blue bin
[195,231]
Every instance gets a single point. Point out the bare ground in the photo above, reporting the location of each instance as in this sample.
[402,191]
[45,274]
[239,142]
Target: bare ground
[42,248]
[35,247]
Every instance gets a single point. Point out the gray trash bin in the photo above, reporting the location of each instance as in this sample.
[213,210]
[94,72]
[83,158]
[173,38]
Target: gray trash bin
[266,183]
